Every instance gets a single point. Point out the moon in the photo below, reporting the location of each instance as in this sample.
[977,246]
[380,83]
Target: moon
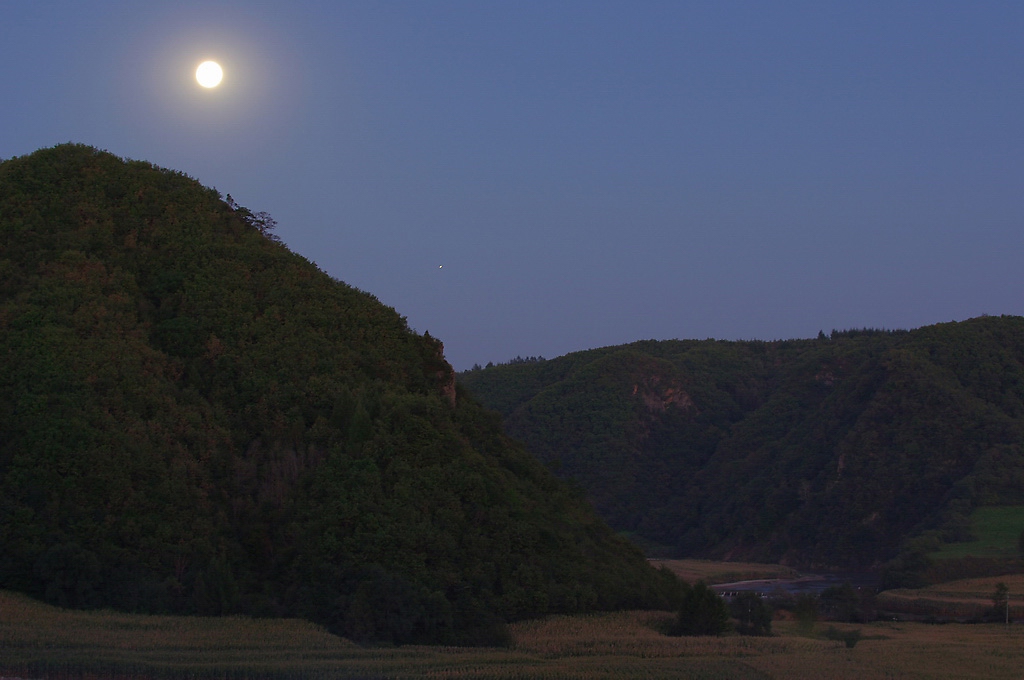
[209,74]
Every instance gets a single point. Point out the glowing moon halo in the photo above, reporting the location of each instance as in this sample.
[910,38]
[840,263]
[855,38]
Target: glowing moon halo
[209,74]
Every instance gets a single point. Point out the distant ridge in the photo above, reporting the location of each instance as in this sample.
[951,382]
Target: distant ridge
[825,453]
[195,419]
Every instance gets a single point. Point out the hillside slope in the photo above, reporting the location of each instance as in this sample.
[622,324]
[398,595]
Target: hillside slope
[195,419]
[826,452]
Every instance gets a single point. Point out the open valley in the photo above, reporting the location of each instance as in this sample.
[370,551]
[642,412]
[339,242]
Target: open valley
[40,641]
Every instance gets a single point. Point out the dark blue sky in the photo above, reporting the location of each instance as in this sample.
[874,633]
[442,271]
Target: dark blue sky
[587,173]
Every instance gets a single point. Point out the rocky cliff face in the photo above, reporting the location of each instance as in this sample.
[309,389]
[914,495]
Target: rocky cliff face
[658,398]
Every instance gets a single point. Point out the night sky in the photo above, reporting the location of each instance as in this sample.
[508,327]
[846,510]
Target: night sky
[535,178]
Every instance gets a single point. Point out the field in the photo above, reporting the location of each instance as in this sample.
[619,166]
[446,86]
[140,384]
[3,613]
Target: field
[711,573]
[997,529]
[38,641]
[966,599]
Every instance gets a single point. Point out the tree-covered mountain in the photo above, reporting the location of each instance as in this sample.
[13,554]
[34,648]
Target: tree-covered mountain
[824,452]
[195,419]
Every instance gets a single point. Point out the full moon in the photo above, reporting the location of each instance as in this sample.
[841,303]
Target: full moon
[209,74]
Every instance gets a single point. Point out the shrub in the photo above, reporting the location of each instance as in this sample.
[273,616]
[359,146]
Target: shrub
[850,637]
[846,603]
[805,608]
[753,614]
[703,612]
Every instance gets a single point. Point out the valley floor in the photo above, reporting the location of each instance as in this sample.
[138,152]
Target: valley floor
[38,641]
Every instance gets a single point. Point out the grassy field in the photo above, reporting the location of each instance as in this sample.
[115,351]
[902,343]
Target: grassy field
[966,599]
[711,573]
[997,529]
[38,641]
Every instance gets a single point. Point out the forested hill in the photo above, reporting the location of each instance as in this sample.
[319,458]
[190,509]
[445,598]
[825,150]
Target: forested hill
[195,419]
[825,452]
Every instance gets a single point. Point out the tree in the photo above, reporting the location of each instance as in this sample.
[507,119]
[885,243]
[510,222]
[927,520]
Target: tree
[265,224]
[1001,601]
[849,637]
[753,613]
[806,611]
[262,221]
[843,603]
[703,612]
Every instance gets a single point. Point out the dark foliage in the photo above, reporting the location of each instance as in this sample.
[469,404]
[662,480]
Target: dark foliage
[703,612]
[805,608]
[849,637]
[195,419]
[907,570]
[824,452]
[1000,604]
[846,603]
[752,613]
